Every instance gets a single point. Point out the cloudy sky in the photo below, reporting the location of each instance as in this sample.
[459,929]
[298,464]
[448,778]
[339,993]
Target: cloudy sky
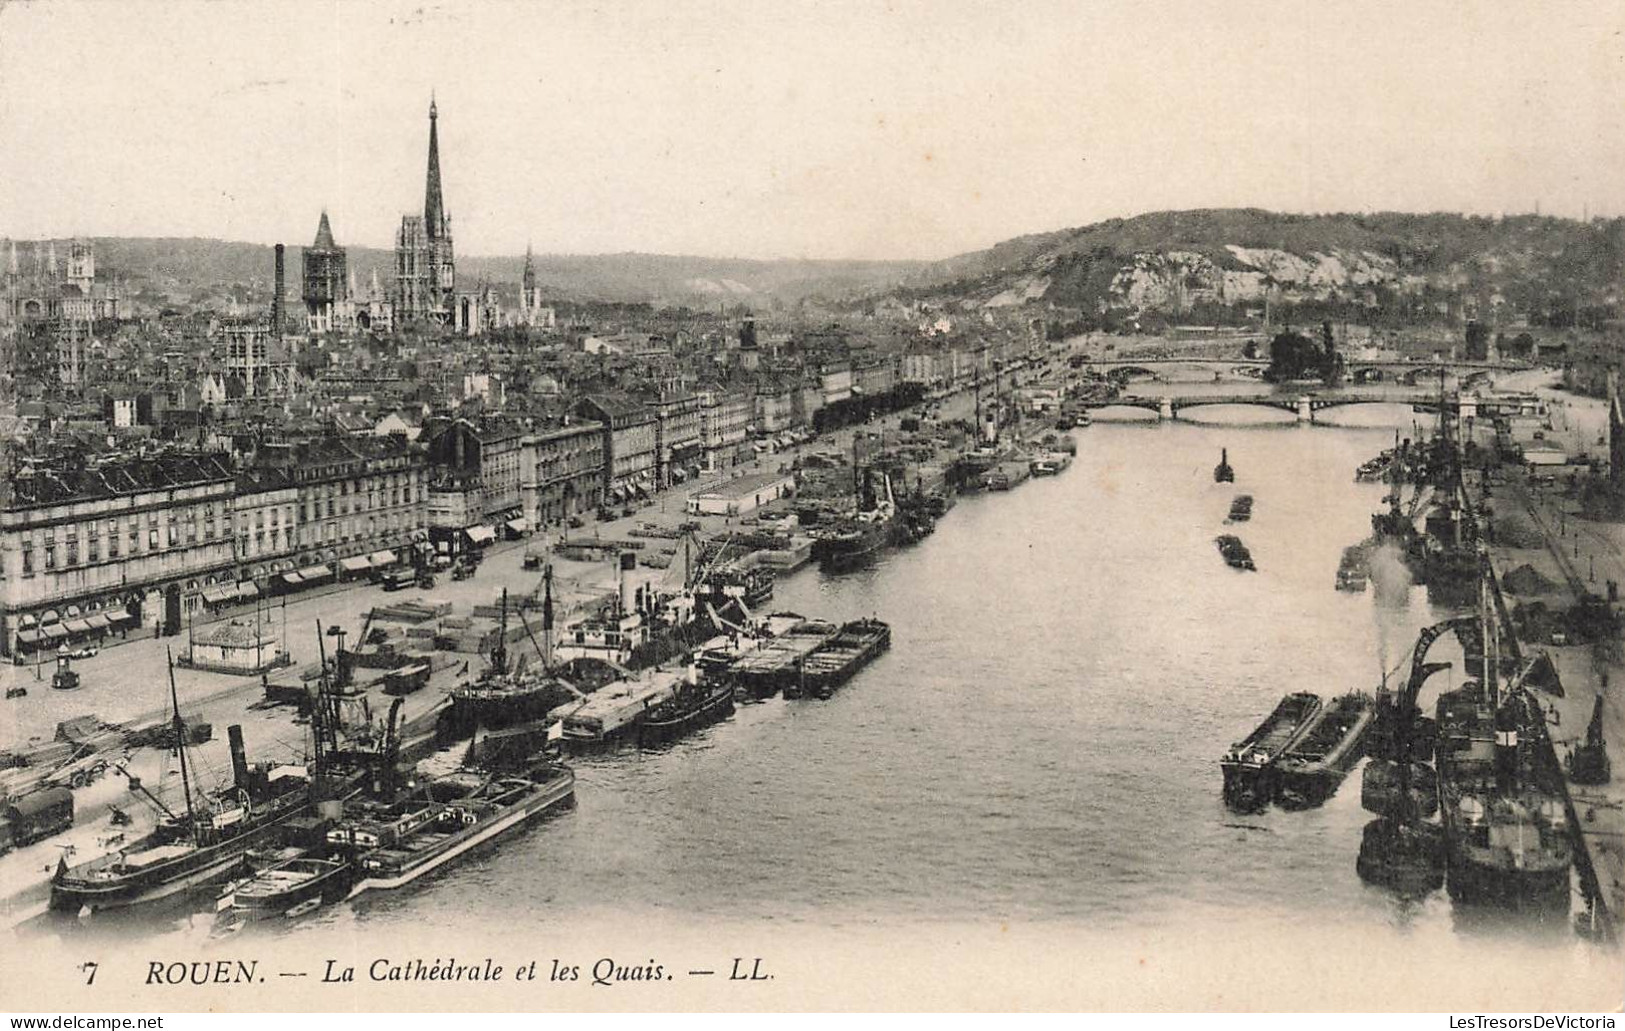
[829,130]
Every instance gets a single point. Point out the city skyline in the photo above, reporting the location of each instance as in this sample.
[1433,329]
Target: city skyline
[855,133]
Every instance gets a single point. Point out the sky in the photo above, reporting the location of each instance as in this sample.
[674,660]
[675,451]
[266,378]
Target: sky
[804,130]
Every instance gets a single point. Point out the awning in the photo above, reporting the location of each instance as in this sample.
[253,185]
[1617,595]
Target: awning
[292,579]
[382,558]
[77,626]
[617,493]
[54,631]
[121,617]
[481,534]
[639,488]
[248,589]
[97,621]
[30,636]
[420,534]
[315,573]
[220,593]
[355,564]
[28,619]
[677,475]
[518,525]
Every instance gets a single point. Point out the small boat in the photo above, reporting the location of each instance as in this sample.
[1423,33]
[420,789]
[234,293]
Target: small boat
[1249,767]
[1241,509]
[1222,473]
[287,887]
[1235,553]
[835,662]
[1312,769]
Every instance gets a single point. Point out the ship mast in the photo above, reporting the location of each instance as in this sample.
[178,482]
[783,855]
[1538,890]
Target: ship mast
[547,613]
[180,748]
[499,651]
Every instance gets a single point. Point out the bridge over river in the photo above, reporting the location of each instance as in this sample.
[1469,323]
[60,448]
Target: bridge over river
[1304,406]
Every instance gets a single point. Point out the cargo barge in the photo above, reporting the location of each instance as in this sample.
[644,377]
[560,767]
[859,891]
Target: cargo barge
[1249,768]
[287,888]
[764,672]
[839,658]
[1311,770]
[395,845]
[1235,553]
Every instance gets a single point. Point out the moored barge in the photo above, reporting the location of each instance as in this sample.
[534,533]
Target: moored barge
[1249,768]
[835,662]
[1311,770]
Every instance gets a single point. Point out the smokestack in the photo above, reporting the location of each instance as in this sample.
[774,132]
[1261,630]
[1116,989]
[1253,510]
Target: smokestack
[239,757]
[276,298]
[629,564]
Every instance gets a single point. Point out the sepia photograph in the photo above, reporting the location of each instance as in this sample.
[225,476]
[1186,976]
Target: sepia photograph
[872,505]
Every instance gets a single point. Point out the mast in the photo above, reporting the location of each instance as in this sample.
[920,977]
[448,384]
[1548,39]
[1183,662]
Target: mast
[180,748]
[499,651]
[547,613]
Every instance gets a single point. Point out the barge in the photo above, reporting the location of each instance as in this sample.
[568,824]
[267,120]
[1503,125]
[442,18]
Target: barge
[396,844]
[1312,769]
[1235,553]
[839,658]
[764,672]
[1249,768]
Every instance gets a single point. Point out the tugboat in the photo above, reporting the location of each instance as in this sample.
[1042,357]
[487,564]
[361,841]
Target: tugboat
[699,702]
[1312,769]
[1241,509]
[1235,553]
[1222,473]
[203,844]
[1249,769]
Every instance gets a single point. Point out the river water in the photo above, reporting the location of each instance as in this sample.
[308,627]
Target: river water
[1040,747]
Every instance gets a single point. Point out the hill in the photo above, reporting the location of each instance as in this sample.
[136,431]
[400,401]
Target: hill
[1211,262]
[168,271]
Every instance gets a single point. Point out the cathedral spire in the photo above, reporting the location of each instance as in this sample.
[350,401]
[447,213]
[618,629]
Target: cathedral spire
[324,236]
[433,209]
[529,278]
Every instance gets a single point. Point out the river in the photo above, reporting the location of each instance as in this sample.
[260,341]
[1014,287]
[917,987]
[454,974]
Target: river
[1040,748]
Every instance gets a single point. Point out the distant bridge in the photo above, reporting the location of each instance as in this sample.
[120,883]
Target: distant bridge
[1354,370]
[1306,405]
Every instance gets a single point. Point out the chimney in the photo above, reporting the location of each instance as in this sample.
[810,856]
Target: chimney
[239,757]
[276,298]
[629,564]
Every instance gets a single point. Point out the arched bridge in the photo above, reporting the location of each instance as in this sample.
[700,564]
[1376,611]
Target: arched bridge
[1304,406]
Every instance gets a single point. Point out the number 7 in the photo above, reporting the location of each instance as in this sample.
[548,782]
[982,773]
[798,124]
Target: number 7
[91,967]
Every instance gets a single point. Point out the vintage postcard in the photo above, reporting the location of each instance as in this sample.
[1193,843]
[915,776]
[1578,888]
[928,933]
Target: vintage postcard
[722,506]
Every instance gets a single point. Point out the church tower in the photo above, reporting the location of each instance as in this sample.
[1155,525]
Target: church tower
[326,280]
[425,267]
